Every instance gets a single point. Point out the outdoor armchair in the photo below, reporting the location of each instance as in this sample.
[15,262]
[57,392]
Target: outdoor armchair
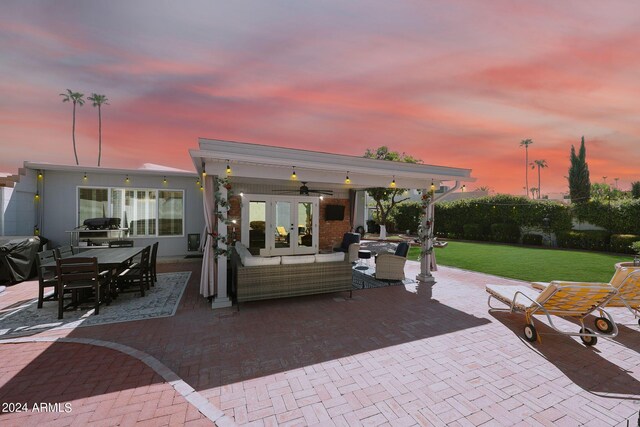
[391,266]
[350,245]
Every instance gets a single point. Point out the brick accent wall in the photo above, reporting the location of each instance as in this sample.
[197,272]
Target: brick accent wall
[235,213]
[331,232]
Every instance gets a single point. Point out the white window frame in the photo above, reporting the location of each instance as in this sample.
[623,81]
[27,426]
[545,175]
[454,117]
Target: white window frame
[157,218]
[270,227]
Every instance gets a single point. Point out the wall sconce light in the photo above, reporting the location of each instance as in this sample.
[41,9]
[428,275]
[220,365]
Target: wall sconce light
[293,174]
[228,168]
[347,180]
[164,180]
[321,197]
[127,179]
[393,183]
[40,174]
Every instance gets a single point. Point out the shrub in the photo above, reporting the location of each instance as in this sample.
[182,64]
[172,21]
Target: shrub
[532,239]
[619,216]
[473,232]
[594,240]
[621,243]
[505,232]
[406,216]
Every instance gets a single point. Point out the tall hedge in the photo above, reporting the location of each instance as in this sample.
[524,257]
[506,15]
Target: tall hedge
[451,217]
[619,217]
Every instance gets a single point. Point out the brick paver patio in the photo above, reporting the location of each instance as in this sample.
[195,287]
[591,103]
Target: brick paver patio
[389,356]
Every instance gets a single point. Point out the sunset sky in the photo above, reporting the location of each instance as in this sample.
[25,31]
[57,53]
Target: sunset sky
[452,82]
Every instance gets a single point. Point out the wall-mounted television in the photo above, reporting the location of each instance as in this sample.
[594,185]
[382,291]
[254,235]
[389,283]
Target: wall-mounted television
[334,213]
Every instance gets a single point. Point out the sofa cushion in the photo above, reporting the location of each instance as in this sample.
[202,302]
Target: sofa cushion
[254,261]
[243,252]
[336,256]
[299,259]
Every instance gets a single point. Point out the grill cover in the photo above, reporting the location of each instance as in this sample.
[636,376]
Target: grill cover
[17,258]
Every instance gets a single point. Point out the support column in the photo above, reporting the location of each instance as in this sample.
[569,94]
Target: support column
[426,225]
[221,299]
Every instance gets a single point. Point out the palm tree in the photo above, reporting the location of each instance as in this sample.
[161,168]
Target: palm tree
[76,98]
[533,192]
[540,164]
[98,101]
[526,143]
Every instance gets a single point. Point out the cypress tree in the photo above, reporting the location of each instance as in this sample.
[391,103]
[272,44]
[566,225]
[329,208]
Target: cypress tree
[579,183]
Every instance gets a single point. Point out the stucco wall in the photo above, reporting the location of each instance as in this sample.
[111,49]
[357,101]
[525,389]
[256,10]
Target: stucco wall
[59,202]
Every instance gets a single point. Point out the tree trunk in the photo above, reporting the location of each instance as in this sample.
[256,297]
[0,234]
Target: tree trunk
[99,135]
[383,232]
[538,181]
[526,169]
[73,133]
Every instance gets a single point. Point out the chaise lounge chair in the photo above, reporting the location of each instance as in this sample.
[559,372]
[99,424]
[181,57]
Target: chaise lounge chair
[564,299]
[626,280]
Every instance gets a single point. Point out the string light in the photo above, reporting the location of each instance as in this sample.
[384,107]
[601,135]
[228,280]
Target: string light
[40,174]
[164,180]
[241,194]
[293,174]
[433,186]
[204,171]
[198,181]
[464,187]
[37,196]
[393,183]
[127,179]
[228,168]
[85,176]
[321,197]
[347,180]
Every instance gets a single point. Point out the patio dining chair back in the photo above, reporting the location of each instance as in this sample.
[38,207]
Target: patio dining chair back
[121,244]
[64,251]
[75,274]
[153,263]
[46,277]
[137,276]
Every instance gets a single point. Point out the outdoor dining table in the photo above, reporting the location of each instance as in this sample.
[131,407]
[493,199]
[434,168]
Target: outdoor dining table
[108,258]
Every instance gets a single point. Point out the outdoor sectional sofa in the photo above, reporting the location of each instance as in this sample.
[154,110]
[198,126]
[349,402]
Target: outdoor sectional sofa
[258,278]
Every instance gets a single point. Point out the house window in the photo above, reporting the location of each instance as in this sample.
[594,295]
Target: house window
[144,212]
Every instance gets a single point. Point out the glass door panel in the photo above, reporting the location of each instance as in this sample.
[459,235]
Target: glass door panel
[305,224]
[283,225]
[257,226]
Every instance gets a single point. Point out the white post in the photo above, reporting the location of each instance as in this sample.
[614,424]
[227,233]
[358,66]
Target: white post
[427,243]
[222,299]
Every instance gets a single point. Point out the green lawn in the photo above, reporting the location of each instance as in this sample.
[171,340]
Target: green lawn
[525,263]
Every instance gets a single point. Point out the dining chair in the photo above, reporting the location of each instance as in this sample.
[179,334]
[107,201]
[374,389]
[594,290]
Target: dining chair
[63,251]
[138,275]
[46,277]
[153,263]
[75,274]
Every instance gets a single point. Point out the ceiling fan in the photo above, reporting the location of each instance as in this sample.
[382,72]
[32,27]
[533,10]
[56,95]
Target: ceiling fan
[305,191]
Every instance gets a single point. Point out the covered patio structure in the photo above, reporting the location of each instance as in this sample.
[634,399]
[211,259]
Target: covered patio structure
[237,175]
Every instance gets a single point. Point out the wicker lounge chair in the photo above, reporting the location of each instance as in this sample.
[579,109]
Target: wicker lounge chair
[391,266]
[564,299]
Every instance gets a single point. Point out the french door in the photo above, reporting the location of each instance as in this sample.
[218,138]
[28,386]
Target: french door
[279,225]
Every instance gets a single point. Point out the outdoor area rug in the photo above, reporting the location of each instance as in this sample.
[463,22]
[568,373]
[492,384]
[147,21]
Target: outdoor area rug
[365,279]
[160,301]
